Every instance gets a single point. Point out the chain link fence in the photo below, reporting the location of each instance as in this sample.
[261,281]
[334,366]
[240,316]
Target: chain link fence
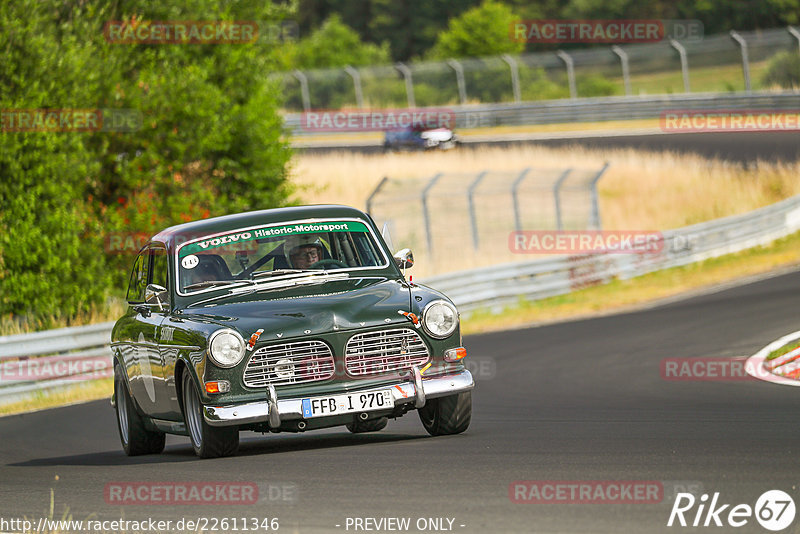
[718,63]
[455,221]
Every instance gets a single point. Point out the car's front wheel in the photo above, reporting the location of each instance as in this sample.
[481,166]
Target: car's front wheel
[135,437]
[447,415]
[207,441]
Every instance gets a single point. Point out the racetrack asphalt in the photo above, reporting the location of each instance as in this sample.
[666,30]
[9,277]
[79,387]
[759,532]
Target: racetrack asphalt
[574,401]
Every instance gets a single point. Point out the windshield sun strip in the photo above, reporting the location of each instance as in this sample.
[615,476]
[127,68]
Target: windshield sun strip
[176,254]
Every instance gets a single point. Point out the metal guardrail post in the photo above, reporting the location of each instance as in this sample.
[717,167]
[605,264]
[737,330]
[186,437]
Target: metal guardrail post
[684,63]
[626,75]
[375,192]
[512,64]
[796,35]
[425,215]
[303,89]
[745,60]
[557,197]
[515,199]
[356,85]
[406,72]
[567,59]
[462,86]
[595,221]
[471,200]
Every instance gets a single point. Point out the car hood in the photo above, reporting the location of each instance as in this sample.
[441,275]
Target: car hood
[298,311]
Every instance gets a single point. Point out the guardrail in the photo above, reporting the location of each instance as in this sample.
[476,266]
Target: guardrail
[597,109]
[52,359]
[505,284]
[40,361]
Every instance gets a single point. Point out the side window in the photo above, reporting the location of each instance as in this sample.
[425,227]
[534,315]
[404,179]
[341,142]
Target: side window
[160,268]
[138,279]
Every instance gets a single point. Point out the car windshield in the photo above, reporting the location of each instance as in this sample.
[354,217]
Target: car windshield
[270,251]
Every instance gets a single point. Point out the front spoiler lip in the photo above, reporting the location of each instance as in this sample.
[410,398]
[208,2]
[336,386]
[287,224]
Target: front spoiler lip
[291,409]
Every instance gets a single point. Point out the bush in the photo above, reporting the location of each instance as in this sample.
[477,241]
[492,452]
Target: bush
[783,70]
[210,144]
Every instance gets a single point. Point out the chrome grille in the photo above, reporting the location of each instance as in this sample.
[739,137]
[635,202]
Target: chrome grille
[289,363]
[384,351]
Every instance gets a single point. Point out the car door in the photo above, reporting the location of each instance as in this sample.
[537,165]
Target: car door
[166,405]
[142,358]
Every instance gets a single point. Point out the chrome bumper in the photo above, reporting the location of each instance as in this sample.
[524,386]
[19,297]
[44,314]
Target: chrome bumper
[274,410]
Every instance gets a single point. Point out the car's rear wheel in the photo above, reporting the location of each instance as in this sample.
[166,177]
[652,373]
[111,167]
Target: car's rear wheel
[207,441]
[135,437]
[447,415]
[373,425]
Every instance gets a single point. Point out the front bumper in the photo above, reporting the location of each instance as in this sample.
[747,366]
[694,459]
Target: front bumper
[274,410]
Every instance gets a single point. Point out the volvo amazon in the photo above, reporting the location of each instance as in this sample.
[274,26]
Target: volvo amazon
[284,320]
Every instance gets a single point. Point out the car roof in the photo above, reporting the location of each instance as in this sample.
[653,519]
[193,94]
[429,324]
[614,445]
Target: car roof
[226,223]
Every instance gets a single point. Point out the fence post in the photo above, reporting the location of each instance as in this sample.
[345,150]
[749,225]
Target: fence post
[462,87]
[796,35]
[425,215]
[567,59]
[406,72]
[375,192]
[512,64]
[303,89]
[557,197]
[595,222]
[356,85]
[470,198]
[515,200]
[626,75]
[745,60]
[684,63]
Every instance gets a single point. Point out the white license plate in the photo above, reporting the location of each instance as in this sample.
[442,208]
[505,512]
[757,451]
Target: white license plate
[351,402]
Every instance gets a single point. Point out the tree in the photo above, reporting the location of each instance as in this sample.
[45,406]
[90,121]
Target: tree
[335,45]
[480,31]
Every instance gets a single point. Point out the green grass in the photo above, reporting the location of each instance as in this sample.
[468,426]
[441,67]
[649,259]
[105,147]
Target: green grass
[619,295]
[789,347]
[722,78]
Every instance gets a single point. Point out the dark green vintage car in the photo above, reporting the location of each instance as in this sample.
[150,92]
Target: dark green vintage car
[289,319]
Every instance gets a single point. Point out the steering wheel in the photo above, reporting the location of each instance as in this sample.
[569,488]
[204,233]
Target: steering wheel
[328,263]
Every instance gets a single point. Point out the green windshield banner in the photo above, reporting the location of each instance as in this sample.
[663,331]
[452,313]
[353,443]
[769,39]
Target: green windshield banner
[199,247]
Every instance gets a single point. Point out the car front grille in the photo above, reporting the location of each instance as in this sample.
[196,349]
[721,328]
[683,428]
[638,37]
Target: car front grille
[289,363]
[384,351]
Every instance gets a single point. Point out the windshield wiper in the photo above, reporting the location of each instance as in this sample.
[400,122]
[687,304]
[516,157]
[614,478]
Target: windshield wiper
[264,274]
[209,283]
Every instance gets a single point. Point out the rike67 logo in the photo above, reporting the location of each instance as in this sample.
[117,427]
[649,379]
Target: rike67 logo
[774,510]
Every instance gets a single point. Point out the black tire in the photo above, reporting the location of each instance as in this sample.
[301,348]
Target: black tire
[447,415]
[207,441]
[372,425]
[136,439]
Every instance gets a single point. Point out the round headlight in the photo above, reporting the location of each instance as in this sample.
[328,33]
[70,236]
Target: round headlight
[440,318]
[226,347]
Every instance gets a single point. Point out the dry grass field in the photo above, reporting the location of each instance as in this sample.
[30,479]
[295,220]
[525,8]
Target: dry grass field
[640,190]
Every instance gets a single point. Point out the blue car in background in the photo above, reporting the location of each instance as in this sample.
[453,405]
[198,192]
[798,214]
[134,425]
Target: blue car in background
[416,139]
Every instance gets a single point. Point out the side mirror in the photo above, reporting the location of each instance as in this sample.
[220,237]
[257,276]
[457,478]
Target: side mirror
[404,258]
[155,294]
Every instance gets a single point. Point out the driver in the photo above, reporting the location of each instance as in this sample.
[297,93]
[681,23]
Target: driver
[303,251]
